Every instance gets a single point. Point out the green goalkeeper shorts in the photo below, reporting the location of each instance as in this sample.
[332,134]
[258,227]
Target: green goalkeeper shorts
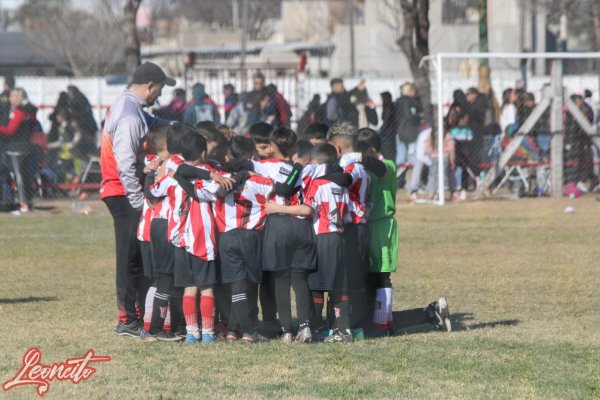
[383,245]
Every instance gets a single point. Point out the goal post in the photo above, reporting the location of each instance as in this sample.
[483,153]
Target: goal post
[505,146]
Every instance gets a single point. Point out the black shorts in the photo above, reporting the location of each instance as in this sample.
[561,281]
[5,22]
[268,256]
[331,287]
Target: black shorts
[356,254]
[240,255]
[162,250]
[330,272]
[189,270]
[146,250]
[288,243]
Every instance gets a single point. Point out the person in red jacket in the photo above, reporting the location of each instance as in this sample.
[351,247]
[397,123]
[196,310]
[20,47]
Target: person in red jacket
[16,137]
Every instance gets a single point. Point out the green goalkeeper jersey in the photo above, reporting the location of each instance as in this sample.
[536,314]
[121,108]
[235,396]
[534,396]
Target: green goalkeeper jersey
[382,195]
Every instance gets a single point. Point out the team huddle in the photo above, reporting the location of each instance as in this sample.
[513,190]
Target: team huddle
[319,220]
[225,223]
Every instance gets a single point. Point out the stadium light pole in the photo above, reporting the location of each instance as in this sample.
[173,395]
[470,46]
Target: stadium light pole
[351,15]
[243,44]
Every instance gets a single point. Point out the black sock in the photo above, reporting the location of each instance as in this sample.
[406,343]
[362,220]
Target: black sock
[177,317]
[239,306]
[358,308]
[318,301]
[283,301]
[222,302]
[252,292]
[267,297]
[342,308]
[303,301]
[161,303]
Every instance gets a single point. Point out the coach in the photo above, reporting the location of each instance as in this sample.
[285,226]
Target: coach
[125,127]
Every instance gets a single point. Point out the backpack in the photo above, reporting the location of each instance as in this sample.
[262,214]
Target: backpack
[204,112]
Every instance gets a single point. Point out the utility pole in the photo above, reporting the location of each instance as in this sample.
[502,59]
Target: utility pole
[235,14]
[351,15]
[244,35]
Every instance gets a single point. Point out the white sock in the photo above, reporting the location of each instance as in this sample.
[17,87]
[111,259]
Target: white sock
[193,330]
[380,316]
[168,319]
[389,300]
[149,304]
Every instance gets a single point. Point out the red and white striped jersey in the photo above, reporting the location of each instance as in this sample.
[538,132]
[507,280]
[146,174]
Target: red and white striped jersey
[330,204]
[358,193]
[200,227]
[178,208]
[244,208]
[279,172]
[143,231]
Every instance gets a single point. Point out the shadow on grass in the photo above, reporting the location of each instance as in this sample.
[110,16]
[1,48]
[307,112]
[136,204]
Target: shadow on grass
[27,300]
[460,322]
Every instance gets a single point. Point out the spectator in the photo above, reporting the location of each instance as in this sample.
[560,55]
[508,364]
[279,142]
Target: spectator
[420,160]
[578,154]
[462,136]
[259,91]
[459,104]
[246,113]
[409,113]
[449,164]
[311,115]
[388,129]
[477,107]
[364,105]
[62,138]
[16,136]
[508,110]
[338,106]
[231,99]
[9,84]
[283,115]
[202,108]
[176,108]
[81,112]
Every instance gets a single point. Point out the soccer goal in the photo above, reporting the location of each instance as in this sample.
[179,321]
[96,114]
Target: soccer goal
[512,124]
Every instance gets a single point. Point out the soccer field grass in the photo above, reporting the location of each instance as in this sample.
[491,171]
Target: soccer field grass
[522,279]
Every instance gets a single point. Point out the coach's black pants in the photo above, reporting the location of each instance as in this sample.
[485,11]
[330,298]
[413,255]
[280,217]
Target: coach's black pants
[129,274]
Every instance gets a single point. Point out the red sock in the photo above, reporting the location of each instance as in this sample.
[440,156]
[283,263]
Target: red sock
[189,310]
[207,310]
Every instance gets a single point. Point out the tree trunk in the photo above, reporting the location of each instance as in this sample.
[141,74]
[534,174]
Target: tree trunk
[132,43]
[414,43]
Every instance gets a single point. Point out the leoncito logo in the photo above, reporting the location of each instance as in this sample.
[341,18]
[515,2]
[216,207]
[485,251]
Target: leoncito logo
[33,372]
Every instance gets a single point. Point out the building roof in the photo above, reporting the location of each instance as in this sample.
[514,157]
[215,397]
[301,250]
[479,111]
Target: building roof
[16,50]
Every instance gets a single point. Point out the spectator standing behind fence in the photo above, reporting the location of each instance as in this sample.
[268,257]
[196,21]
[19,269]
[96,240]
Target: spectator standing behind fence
[364,105]
[62,139]
[16,137]
[508,110]
[202,108]
[409,114]
[176,108]
[339,106]
[259,90]
[578,153]
[310,116]
[283,114]
[9,84]
[231,99]
[81,112]
[126,125]
[476,108]
[389,127]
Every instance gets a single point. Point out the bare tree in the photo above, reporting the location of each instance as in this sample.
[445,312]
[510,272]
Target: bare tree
[410,20]
[73,40]
[132,43]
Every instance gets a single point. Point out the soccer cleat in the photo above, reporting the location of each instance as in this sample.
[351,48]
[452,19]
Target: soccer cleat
[182,333]
[440,315]
[143,334]
[162,336]
[253,338]
[339,337]
[208,338]
[304,336]
[287,338]
[358,334]
[189,338]
[131,329]
[231,337]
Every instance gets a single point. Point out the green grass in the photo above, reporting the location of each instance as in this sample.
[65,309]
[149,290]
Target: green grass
[522,280]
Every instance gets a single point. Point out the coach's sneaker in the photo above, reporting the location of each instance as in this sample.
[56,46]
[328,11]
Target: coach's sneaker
[208,338]
[162,336]
[440,315]
[339,337]
[304,336]
[287,338]
[253,338]
[131,329]
[189,338]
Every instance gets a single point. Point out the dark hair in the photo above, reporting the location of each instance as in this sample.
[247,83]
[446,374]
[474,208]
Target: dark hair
[304,148]
[259,75]
[284,139]
[179,92]
[209,130]
[229,86]
[158,137]
[316,130]
[369,138]
[241,147]
[195,145]
[175,137]
[260,132]
[386,98]
[335,81]
[324,153]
